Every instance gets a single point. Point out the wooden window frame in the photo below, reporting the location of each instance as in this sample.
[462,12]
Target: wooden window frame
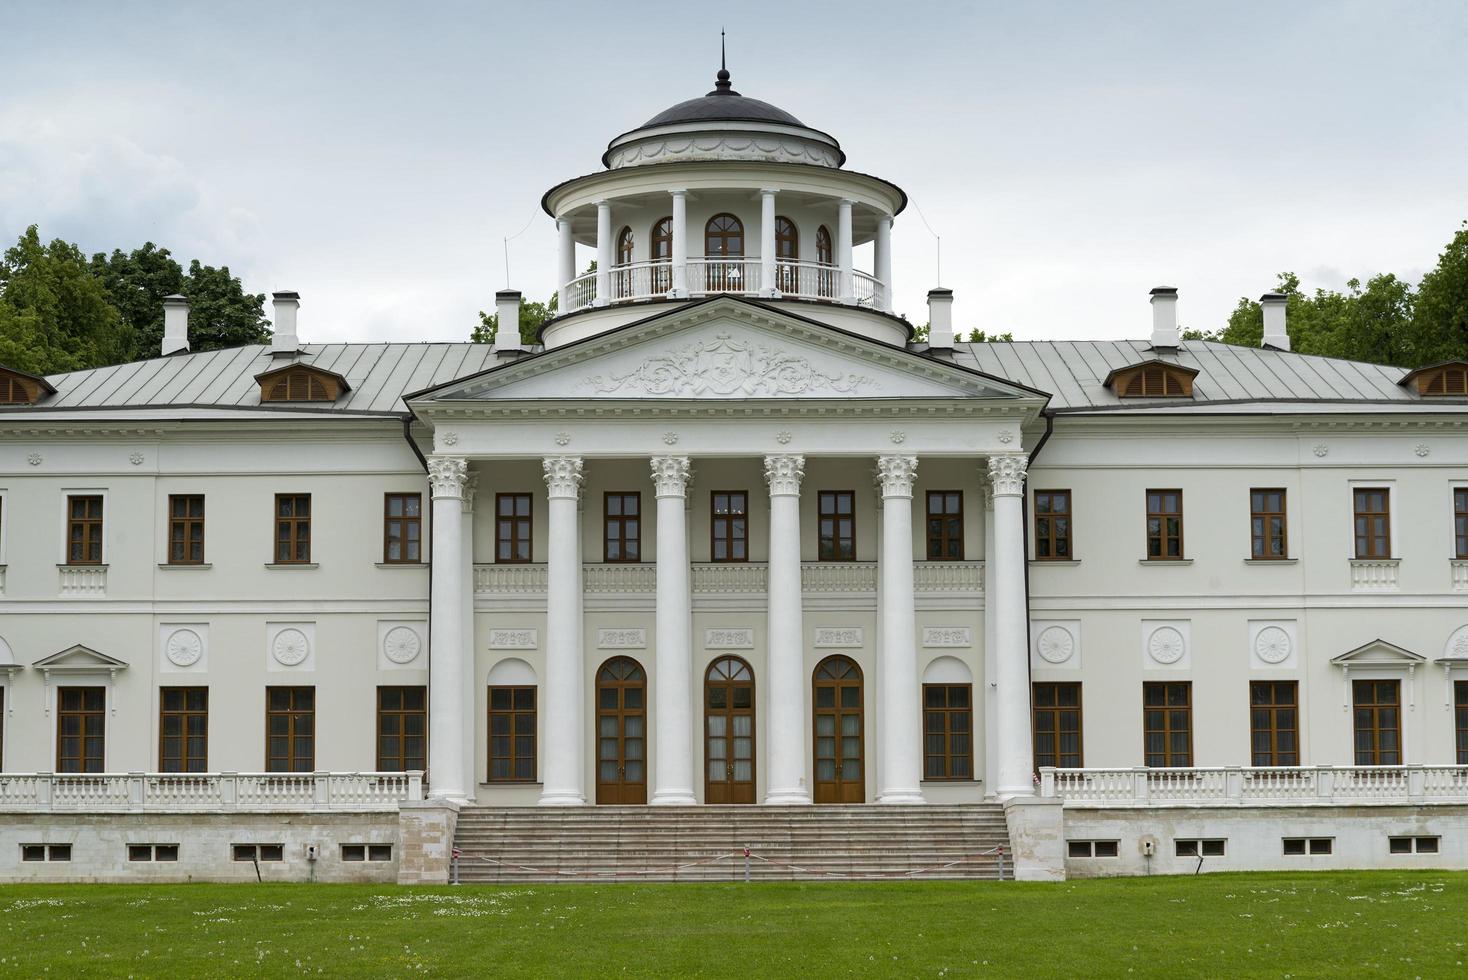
[300,383]
[1054,711]
[1045,532]
[1167,730]
[182,526]
[512,521]
[1155,379]
[1375,708]
[184,714]
[292,714]
[513,712]
[1273,729]
[947,711]
[724,236]
[825,248]
[90,718]
[1460,522]
[1260,535]
[93,529]
[399,762]
[1369,539]
[729,538]
[657,238]
[1460,720]
[1440,380]
[943,538]
[622,538]
[625,246]
[294,523]
[411,549]
[1162,537]
[19,388]
[835,538]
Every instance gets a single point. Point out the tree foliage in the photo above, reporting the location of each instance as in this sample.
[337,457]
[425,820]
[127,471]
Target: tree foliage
[60,311]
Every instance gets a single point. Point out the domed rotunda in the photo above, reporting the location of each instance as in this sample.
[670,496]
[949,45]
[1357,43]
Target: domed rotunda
[724,195]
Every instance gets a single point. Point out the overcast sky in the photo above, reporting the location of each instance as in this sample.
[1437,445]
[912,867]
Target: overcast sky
[373,156]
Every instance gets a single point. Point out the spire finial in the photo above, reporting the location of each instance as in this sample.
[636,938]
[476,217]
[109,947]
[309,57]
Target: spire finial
[721,86]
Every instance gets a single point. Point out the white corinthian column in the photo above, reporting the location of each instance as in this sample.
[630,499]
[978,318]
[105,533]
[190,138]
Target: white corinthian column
[449,671]
[561,769]
[1006,588]
[674,635]
[785,640]
[900,777]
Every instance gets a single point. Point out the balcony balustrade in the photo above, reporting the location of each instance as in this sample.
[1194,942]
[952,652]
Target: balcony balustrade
[642,281]
[1236,786]
[141,792]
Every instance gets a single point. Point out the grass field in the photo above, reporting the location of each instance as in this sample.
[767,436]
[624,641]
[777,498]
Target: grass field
[1346,925]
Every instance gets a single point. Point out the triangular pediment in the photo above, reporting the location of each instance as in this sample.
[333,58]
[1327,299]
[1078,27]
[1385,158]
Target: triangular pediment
[79,658]
[1379,653]
[730,350]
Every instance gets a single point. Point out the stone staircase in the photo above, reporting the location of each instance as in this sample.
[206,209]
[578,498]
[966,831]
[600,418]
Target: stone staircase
[706,843]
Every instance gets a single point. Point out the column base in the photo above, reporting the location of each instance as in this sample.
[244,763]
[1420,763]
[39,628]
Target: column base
[1009,792]
[787,797]
[901,796]
[561,799]
[674,797]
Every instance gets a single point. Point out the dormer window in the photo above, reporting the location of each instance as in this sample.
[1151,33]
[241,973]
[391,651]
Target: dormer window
[1152,379]
[301,383]
[1440,379]
[19,388]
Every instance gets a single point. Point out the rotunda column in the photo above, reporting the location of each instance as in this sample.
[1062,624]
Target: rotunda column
[565,256]
[882,261]
[680,244]
[767,242]
[561,764]
[603,252]
[448,664]
[785,641]
[1006,587]
[674,637]
[900,774]
[843,250]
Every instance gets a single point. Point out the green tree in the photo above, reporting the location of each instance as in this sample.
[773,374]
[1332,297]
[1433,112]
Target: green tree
[57,316]
[1440,316]
[532,315]
[221,313]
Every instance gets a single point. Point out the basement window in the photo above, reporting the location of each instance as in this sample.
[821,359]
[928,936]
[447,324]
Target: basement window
[1200,847]
[45,852]
[1413,845]
[366,852]
[152,852]
[1296,846]
[1091,848]
[258,852]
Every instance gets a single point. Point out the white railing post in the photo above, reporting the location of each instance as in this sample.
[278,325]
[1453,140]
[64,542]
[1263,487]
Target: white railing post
[135,790]
[321,788]
[1233,782]
[1324,782]
[1416,778]
[43,789]
[1047,781]
[1140,789]
[415,786]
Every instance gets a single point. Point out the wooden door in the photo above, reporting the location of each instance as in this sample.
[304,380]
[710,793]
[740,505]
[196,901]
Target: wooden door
[621,732]
[839,755]
[728,700]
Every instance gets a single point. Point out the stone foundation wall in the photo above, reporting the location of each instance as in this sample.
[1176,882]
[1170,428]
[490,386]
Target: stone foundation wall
[426,831]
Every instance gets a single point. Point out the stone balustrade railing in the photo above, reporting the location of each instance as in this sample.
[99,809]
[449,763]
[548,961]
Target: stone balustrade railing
[83,580]
[936,577]
[1459,570]
[1369,575]
[147,791]
[1238,785]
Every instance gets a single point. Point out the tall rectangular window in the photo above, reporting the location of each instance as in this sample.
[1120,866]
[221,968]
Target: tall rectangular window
[1274,723]
[729,526]
[623,523]
[945,525]
[1057,719]
[1373,522]
[512,528]
[1167,722]
[183,729]
[948,731]
[81,714]
[292,528]
[1164,525]
[290,729]
[84,530]
[402,528]
[1377,712]
[1460,712]
[186,529]
[1053,525]
[837,526]
[1460,522]
[511,734]
[1267,527]
[402,728]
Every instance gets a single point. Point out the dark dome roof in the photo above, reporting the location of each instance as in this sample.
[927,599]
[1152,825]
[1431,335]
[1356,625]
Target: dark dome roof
[723,104]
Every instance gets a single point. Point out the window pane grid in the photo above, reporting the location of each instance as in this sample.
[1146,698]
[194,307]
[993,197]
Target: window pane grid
[292,528]
[402,528]
[186,529]
[1460,522]
[80,729]
[1274,723]
[183,729]
[945,525]
[1377,716]
[1460,712]
[512,723]
[1167,723]
[622,538]
[948,731]
[402,729]
[1373,522]
[84,530]
[729,526]
[290,729]
[1057,720]
[512,528]
[1053,525]
[1267,529]
[837,525]
[1164,524]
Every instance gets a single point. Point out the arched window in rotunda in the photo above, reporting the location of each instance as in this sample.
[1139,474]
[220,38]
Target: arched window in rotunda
[723,248]
[661,250]
[787,253]
[622,286]
[826,285]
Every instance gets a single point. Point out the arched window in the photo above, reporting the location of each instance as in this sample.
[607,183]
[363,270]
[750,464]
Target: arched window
[826,279]
[729,732]
[301,383]
[723,246]
[624,247]
[787,253]
[661,250]
[622,287]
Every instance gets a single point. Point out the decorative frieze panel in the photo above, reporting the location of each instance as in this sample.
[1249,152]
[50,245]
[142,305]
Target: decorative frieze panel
[726,366]
[1056,643]
[1166,644]
[838,637]
[402,645]
[621,639]
[1273,644]
[730,576]
[948,576]
[510,579]
[614,577]
[729,638]
[838,576]
[290,646]
[513,638]
[183,647]
[938,637]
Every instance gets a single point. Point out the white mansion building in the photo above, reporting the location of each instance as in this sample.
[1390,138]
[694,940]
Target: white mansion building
[729,535]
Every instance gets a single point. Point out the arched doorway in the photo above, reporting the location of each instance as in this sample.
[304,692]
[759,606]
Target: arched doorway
[728,702]
[787,254]
[621,732]
[839,750]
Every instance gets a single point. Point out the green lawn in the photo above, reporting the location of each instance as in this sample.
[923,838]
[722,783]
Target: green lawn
[1346,925]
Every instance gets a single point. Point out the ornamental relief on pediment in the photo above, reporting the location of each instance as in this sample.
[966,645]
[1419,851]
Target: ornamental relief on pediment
[725,367]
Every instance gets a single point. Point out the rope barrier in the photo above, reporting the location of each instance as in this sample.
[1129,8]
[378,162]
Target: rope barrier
[870,875]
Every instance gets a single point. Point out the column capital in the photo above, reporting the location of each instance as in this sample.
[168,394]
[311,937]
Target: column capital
[447,475]
[783,472]
[769,191]
[563,475]
[670,474]
[471,487]
[678,191]
[1007,474]
[895,475]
